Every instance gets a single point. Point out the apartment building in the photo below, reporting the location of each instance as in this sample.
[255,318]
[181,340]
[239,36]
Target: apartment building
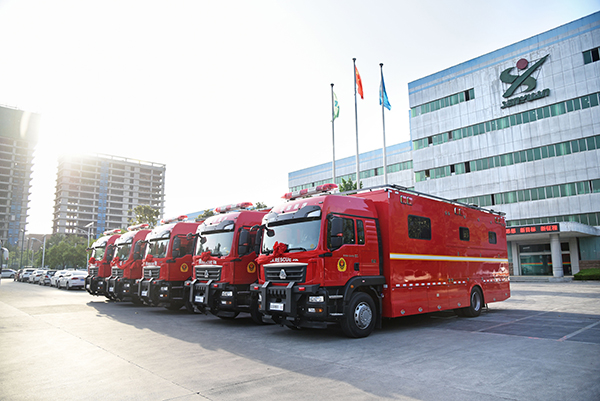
[99,192]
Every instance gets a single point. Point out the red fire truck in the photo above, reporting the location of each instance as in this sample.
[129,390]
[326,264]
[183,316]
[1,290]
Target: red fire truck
[127,264]
[384,252]
[103,251]
[224,264]
[168,264]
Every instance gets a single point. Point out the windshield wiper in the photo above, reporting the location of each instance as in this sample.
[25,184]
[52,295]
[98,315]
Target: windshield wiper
[299,248]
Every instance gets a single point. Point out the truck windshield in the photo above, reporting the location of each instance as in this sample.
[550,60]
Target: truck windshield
[219,244]
[98,253]
[158,247]
[298,236]
[123,251]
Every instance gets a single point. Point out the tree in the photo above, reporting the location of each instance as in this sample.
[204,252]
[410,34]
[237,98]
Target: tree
[260,205]
[66,251]
[348,185]
[207,213]
[145,214]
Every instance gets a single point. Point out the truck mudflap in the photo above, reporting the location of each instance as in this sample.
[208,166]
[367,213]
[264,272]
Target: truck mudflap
[95,285]
[313,306]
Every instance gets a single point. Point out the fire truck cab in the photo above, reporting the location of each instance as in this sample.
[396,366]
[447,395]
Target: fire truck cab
[103,251]
[224,265]
[127,264]
[384,252]
[168,264]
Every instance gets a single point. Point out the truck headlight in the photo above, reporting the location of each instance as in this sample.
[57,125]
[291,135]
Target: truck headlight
[316,299]
[227,293]
[164,289]
[126,285]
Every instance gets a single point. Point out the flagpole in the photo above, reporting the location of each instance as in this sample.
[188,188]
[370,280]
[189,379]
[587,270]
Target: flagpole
[333,132]
[356,123]
[385,181]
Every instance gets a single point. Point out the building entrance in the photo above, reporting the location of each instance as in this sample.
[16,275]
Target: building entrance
[536,259]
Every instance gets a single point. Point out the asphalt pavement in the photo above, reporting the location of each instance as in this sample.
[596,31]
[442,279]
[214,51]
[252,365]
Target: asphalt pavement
[541,344]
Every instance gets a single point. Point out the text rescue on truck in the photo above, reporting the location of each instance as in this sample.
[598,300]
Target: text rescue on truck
[103,251]
[167,264]
[224,265]
[127,264]
[381,253]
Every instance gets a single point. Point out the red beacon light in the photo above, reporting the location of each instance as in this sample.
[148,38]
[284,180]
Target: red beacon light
[111,232]
[319,189]
[138,227]
[174,219]
[232,207]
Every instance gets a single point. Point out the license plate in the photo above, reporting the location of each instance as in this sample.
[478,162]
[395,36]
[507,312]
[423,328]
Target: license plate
[199,298]
[111,289]
[144,293]
[276,306]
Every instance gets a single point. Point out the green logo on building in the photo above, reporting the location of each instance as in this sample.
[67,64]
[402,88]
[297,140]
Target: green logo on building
[526,79]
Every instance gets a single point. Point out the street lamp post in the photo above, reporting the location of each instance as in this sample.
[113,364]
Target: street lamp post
[22,243]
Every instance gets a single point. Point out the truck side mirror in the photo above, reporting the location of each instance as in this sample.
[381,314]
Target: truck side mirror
[258,242]
[244,243]
[336,232]
[176,247]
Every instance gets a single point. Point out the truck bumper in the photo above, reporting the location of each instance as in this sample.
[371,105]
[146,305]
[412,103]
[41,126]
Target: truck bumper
[294,305]
[221,299]
[163,293]
[123,289]
[95,285]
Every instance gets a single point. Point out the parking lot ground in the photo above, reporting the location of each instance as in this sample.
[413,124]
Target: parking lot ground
[541,344]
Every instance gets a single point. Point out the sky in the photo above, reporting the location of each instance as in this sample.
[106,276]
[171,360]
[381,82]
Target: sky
[234,95]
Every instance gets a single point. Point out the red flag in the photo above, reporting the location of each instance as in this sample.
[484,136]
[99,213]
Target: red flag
[359,83]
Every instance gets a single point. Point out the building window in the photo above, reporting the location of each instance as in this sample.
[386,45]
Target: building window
[590,56]
[447,101]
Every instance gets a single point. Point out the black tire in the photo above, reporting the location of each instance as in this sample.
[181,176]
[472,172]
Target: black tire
[255,313]
[476,303]
[361,316]
[235,314]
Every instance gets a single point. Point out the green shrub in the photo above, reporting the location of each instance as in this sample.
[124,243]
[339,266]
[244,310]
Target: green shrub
[587,274]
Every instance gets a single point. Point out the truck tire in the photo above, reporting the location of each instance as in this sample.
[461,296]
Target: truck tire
[255,313]
[476,304]
[360,316]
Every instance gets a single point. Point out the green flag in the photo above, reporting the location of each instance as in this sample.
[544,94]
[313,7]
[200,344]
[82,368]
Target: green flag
[336,107]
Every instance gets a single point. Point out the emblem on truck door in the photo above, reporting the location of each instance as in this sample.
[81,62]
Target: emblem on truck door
[282,274]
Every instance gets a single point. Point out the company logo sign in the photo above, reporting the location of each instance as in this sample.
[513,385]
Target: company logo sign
[525,81]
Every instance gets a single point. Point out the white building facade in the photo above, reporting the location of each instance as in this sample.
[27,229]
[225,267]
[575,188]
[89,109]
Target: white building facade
[517,130]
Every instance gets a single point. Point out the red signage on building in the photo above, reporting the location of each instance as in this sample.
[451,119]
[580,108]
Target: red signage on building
[537,229]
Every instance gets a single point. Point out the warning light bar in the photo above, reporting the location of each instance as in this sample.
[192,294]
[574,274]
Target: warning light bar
[174,219]
[310,191]
[138,227]
[109,232]
[232,207]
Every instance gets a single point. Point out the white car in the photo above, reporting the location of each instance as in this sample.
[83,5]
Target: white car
[72,279]
[36,276]
[57,276]
[8,273]
[24,277]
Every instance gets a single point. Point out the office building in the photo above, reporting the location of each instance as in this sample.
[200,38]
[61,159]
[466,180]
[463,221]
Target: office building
[516,130]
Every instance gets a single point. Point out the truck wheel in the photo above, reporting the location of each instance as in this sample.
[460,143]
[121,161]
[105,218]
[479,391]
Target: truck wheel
[360,316]
[474,309]
[255,313]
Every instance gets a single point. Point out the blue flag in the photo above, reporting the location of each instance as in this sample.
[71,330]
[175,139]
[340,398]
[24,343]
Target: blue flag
[383,96]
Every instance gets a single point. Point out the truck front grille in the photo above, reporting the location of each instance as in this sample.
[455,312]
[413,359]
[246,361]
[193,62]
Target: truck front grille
[285,272]
[93,271]
[208,272]
[116,272]
[151,272]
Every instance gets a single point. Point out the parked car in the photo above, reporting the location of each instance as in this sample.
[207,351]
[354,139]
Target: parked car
[8,273]
[24,276]
[72,279]
[46,276]
[57,276]
[18,275]
[36,276]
